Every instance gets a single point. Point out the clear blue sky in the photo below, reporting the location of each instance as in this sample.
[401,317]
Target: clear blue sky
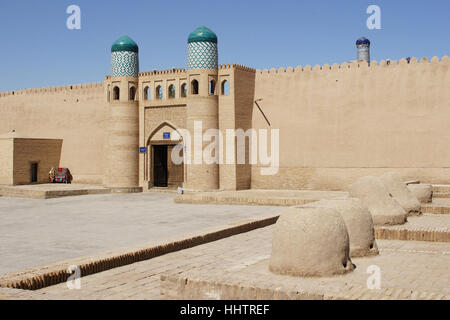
[38,50]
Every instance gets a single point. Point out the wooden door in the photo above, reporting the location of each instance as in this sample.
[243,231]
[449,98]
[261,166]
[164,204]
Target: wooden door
[176,171]
[160,170]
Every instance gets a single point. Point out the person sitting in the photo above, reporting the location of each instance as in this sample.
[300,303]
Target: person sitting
[51,175]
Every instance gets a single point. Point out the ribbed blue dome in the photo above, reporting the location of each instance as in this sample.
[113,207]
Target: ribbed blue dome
[202,34]
[362,40]
[124,43]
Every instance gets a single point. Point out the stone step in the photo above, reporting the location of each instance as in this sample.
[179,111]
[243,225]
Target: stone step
[427,227]
[64,191]
[163,190]
[441,195]
[387,233]
[443,188]
[435,209]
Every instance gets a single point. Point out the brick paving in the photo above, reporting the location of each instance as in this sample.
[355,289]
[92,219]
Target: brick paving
[408,267]
[409,270]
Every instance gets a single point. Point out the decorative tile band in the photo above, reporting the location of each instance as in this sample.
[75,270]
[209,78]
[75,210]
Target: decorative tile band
[124,64]
[203,55]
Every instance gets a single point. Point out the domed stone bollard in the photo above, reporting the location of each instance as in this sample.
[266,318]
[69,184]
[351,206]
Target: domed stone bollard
[310,242]
[422,192]
[385,210]
[397,187]
[359,223]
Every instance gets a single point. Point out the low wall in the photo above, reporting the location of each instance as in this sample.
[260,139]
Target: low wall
[45,152]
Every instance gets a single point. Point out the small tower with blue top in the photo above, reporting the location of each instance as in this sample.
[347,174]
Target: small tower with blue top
[124,58]
[203,104]
[363,47]
[122,142]
[202,49]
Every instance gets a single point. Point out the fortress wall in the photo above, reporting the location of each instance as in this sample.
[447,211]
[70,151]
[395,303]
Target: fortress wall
[336,123]
[340,122]
[76,114]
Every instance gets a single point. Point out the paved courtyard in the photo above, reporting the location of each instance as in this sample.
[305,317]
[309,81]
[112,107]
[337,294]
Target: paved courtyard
[407,266]
[39,232]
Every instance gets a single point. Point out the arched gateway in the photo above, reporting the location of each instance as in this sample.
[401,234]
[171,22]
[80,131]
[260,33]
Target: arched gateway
[161,170]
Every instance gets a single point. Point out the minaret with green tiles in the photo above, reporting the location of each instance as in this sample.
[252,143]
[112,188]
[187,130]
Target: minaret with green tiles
[122,142]
[202,49]
[202,105]
[124,58]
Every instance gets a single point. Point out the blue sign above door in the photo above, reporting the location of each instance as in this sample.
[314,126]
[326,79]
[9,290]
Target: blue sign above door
[166,135]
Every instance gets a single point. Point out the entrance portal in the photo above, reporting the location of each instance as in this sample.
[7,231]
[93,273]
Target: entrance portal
[164,172]
[160,173]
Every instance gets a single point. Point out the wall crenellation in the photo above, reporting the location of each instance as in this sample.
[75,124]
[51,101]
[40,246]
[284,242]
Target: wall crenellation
[236,66]
[345,65]
[355,64]
[160,72]
[181,70]
[53,89]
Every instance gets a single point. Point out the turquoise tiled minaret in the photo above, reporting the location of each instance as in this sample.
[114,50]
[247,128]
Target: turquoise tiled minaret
[121,146]
[202,105]
[124,58]
[202,49]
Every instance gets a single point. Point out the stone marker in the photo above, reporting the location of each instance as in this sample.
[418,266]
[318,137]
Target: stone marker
[397,187]
[422,192]
[358,221]
[384,208]
[310,242]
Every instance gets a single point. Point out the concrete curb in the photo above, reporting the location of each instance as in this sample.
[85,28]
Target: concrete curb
[38,278]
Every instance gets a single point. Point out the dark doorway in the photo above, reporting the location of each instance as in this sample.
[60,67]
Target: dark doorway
[160,175]
[34,173]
